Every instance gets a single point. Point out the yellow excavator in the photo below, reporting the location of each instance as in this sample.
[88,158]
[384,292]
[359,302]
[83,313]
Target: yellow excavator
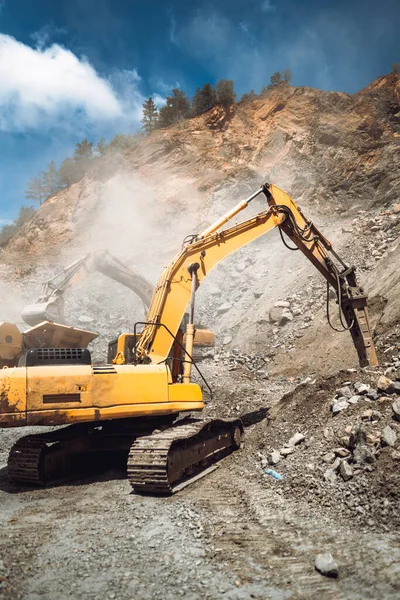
[132,407]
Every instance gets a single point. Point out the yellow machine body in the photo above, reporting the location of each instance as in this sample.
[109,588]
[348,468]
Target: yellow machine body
[10,342]
[59,394]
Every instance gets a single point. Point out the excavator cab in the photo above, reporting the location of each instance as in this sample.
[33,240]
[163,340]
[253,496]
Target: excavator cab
[122,350]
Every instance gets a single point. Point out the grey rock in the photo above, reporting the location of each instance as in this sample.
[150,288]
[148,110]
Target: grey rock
[395,455]
[329,457]
[275,314]
[224,308]
[341,452]
[285,317]
[286,451]
[394,388]
[339,405]
[274,457]
[372,395]
[262,373]
[361,388]
[388,437]
[384,383]
[296,439]
[396,409]
[363,455]
[344,391]
[330,476]
[345,470]
[227,340]
[354,399]
[282,304]
[85,319]
[326,565]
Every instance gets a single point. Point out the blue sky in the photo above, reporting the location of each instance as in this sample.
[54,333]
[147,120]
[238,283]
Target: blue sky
[81,68]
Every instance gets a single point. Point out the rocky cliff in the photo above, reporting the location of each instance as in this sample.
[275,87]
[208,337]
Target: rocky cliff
[336,154]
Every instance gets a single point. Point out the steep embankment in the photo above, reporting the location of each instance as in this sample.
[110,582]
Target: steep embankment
[336,154]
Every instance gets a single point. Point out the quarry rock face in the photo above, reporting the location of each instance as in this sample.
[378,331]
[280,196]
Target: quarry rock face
[332,152]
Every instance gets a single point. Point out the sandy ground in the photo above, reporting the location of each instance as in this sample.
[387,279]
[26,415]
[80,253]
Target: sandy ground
[234,534]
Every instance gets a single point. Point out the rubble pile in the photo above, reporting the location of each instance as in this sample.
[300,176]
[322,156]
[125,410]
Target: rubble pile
[340,450]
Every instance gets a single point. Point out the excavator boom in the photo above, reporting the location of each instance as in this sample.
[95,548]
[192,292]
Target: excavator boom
[212,245]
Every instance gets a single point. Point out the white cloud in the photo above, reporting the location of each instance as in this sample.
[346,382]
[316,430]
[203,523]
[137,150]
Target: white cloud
[42,86]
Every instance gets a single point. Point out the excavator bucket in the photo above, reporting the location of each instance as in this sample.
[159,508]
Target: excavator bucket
[52,310]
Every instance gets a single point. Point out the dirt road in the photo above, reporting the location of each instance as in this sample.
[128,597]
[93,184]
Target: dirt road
[230,535]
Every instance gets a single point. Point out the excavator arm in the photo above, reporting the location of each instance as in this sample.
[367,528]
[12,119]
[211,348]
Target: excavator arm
[181,277]
[50,304]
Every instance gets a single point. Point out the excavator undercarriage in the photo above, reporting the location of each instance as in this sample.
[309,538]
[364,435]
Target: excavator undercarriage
[132,411]
[160,456]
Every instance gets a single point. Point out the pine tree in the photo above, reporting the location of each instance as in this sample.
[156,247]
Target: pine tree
[150,115]
[25,214]
[35,190]
[83,152]
[6,233]
[82,157]
[287,75]
[177,107]
[101,147]
[250,96]
[69,172]
[204,99]
[276,78]
[50,179]
[225,92]
[167,115]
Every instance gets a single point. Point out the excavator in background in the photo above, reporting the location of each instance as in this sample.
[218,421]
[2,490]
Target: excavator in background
[50,304]
[133,408]
[46,315]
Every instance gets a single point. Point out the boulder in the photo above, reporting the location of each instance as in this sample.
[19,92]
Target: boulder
[361,388]
[275,314]
[286,451]
[224,308]
[384,383]
[285,317]
[339,405]
[326,565]
[344,391]
[396,409]
[346,471]
[296,439]
[388,437]
[274,457]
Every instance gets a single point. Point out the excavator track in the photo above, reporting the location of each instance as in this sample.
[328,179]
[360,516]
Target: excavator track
[73,451]
[159,463]
[35,458]
[25,461]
